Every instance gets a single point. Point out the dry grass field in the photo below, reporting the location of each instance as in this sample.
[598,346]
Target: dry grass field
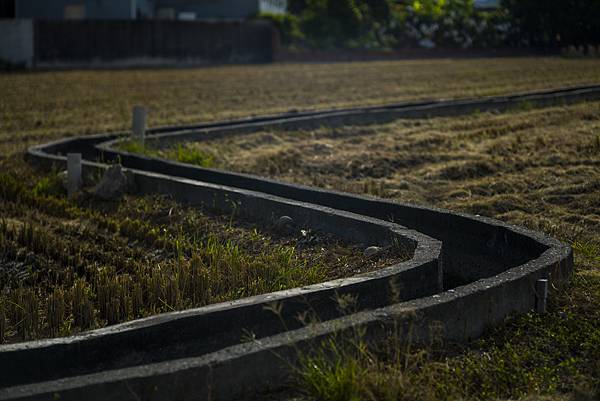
[44,105]
[535,167]
[538,168]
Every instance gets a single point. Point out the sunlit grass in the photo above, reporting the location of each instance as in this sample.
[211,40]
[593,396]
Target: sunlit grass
[180,153]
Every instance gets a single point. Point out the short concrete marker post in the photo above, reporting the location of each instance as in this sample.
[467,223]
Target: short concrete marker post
[541,295]
[73,173]
[139,123]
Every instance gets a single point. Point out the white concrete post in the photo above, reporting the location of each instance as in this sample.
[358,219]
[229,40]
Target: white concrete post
[139,123]
[541,295]
[73,173]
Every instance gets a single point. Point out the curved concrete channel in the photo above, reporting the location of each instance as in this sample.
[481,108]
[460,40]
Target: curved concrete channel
[466,272]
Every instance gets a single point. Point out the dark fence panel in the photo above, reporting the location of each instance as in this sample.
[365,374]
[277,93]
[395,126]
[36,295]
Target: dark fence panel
[157,41]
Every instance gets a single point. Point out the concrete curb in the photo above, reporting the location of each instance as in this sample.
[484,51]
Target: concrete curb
[489,271]
[224,324]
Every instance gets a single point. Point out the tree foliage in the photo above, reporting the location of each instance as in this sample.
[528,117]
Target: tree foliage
[336,22]
[556,23]
[387,24]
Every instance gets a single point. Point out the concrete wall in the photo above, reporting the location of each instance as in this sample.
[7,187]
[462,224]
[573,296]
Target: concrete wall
[16,42]
[94,9]
[462,312]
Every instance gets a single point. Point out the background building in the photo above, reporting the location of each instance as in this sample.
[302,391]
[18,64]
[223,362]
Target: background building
[221,9]
[139,9]
[486,4]
[76,9]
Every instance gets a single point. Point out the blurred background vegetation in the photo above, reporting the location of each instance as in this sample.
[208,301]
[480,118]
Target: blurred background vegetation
[569,25]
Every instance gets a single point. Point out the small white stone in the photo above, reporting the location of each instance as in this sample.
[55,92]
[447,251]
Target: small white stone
[63,177]
[372,250]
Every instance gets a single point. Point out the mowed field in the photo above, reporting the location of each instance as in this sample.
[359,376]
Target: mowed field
[44,105]
[538,168]
[535,167]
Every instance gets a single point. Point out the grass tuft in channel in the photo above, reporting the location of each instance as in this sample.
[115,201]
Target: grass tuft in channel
[132,146]
[193,156]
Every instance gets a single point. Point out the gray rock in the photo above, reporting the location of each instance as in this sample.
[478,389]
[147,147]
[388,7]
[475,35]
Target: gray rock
[113,184]
[284,225]
[371,251]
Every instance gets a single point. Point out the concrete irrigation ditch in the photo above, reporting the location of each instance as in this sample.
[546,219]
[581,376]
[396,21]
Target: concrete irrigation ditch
[466,272]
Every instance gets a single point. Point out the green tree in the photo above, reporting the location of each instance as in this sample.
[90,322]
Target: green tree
[335,22]
[555,23]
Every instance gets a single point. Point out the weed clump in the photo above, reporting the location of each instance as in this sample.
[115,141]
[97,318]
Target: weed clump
[193,156]
[183,154]
[337,373]
[133,146]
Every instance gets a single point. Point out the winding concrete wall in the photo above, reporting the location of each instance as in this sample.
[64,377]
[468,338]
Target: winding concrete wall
[208,329]
[489,271]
